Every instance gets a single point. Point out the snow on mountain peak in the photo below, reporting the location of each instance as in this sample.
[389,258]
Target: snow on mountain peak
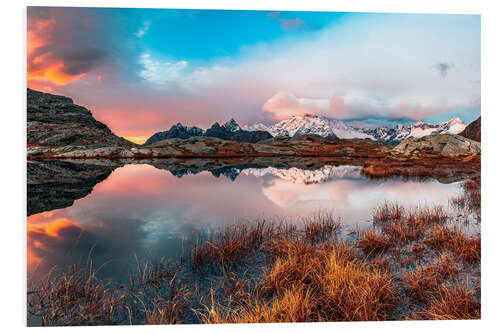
[232,125]
[313,124]
[301,176]
[453,126]
[310,124]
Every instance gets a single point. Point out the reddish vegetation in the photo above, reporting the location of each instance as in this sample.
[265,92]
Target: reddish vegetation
[454,240]
[426,280]
[313,284]
[451,303]
[373,241]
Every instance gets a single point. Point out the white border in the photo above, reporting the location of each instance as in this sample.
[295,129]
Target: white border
[13,131]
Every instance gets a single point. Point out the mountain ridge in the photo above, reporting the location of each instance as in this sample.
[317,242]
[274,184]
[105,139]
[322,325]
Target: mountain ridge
[325,127]
[228,131]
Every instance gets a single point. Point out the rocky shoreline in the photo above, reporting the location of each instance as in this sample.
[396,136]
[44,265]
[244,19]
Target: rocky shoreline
[60,130]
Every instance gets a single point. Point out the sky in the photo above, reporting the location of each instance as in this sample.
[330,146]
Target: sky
[142,70]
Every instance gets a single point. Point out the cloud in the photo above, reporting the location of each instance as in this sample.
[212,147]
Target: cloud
[287,23]
[143,29]
[364,66]
[283,105]
[443,68]
[53,53]
[67,44]
[161,72]
[274,15]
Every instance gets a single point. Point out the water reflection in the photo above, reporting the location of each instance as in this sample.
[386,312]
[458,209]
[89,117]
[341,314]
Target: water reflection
[140,209]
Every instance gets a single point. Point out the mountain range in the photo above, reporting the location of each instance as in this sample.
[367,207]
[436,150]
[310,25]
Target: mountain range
[292,175]
[304,176]
[310,124]
[229,131]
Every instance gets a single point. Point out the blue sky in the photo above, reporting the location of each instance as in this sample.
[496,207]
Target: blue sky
[142,70]
[209,34]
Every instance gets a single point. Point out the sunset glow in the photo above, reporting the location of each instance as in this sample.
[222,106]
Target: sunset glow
[141,76]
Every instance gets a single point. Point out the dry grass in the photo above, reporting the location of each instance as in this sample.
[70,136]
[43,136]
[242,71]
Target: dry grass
[427,280]
[470,198]
[388,211]
[472,189]
[382,263]
[233,243]
[76,297]
[309,284]
[157,295]
[451,303]
[454,240]
[422,283]
[406,225]
[320,227]
[373,241]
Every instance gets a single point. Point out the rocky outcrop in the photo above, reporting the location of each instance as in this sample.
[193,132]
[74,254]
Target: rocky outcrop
[55,121]
[57,184]
[446,144]
[473,130]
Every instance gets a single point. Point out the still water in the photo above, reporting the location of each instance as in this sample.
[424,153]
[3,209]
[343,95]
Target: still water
[143,211]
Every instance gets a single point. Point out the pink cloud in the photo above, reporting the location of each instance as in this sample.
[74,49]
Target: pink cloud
[350,106]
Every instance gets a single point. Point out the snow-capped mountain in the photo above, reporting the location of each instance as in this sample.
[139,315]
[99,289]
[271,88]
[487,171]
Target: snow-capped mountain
[231,126]
[416,130]
[176,131]
[296,175]
[310,124]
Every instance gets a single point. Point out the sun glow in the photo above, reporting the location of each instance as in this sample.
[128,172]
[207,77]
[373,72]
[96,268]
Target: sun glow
[137,139]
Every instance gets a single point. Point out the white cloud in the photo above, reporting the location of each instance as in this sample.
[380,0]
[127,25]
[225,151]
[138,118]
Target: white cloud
[364,66]
[159,72]
[143,29]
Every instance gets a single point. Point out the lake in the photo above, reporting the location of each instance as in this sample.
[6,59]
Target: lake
[139,210]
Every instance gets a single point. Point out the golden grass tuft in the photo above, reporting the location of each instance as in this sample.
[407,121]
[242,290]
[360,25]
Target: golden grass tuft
[388,211]
[426,280]
[451,303]
[454,240]
[320,227]
[310,284]
[231,244]
[373,241]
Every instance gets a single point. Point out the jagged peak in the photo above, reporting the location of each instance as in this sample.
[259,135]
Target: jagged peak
[420,123]
[232,125]
[455,120]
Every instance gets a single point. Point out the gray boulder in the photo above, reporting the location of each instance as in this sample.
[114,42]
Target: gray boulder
[446,144]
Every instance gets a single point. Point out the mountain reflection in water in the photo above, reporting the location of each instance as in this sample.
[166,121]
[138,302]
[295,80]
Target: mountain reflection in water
[144,210]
